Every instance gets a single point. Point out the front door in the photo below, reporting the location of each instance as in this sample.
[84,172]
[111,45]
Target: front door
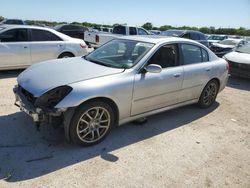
[157,90]
[14,48]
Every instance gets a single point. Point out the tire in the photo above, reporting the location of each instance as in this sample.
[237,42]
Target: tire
[65,55]
[91,123]
[209,94]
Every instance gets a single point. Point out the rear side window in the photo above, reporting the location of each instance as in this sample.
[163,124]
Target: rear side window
[193,54]
[195,36]
[205,57]
[42,35]
[14,35]
[166,56]
[119,30]
[132,31]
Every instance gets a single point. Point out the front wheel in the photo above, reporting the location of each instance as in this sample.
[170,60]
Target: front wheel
[91,123]
[209,94]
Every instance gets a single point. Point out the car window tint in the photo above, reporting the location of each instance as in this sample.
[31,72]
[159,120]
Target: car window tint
[132,31]
[42,35]
[141,32]
[195,36]
[191,54]
[205,57]
[186,36]
[166,56]
[14,35]
[119,30]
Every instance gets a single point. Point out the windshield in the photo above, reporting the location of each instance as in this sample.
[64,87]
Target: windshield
[229,42]
[119,53]
[173,33]
[216,37]
[244,49]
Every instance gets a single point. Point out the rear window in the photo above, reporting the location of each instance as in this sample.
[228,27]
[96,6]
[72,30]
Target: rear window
[119,30]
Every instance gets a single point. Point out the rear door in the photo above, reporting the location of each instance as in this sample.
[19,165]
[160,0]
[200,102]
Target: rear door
[45,45]
[14,48]
[197,71]
[157,90]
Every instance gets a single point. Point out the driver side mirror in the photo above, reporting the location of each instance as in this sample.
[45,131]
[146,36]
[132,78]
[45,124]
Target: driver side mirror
[153,68]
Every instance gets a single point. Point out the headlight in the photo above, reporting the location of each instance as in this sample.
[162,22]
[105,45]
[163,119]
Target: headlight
[53,97]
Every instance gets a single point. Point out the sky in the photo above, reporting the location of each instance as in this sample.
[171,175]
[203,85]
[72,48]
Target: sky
[217,13]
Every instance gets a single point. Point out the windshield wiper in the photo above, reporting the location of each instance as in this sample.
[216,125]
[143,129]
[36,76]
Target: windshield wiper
[97,62]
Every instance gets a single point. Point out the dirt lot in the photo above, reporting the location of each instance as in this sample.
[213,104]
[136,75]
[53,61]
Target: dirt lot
[186,147]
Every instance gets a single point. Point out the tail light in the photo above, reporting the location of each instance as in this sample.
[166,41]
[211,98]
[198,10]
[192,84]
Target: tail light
[97,39]
[83,45]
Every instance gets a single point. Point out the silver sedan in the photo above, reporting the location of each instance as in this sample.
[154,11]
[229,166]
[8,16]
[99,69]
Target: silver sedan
[22,45]
[125,79]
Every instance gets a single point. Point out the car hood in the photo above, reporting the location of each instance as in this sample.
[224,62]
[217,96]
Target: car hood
[238,57]
[47,75]
[223,45]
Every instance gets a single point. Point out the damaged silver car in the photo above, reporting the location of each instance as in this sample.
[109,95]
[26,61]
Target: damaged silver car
[125,79]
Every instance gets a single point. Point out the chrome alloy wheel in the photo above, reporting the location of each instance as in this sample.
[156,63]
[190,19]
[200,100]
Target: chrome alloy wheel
[93,124]
[210,93]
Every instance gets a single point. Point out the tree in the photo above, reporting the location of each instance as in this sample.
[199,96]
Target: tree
[148,26]
[1,18]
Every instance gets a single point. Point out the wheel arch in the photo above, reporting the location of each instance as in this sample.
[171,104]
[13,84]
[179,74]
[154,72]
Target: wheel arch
[66,52]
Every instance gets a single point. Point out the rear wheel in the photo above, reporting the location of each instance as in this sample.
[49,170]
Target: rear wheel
[91,123]
[65,55]
[209,94]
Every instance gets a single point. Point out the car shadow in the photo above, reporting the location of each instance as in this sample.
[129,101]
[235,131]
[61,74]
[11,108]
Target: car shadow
[239,83]
[10,73]
[26,153]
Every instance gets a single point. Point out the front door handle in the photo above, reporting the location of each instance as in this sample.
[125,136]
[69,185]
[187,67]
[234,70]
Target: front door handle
[177,75]
[25,47]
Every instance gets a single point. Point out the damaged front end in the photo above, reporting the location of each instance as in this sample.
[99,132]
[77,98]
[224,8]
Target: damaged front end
[42,109]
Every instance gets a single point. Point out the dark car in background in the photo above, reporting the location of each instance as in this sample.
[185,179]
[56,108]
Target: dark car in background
[13,22]
[225,46]
[75,31]
[188,34]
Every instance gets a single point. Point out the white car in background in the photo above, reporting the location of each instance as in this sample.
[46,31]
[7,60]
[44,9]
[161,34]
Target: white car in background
[21,46]
[239,61]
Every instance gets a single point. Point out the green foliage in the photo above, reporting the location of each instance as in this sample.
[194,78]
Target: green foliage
[148,26]
[1,18]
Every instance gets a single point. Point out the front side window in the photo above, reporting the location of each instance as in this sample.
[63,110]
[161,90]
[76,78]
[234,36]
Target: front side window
[14,35]
[119,53]
[132,31]
[195,36]
[191,54]
[166,56]
[186,36]
[43,35]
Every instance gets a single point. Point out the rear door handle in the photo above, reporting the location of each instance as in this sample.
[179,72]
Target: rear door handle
[25,47]
[177,75]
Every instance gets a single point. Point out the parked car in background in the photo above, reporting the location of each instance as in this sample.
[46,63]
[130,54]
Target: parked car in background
[13,22]
[21,46]
[225,46]
[155,32]
[75,31]
[123,80]
[96,39]
[239,61]
[216,38]
[188,34]
[104,29]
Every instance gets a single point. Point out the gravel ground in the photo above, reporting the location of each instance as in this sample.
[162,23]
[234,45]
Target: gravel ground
[185,147]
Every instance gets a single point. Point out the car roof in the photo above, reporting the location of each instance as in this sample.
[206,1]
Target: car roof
[61,35]
[155,39]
